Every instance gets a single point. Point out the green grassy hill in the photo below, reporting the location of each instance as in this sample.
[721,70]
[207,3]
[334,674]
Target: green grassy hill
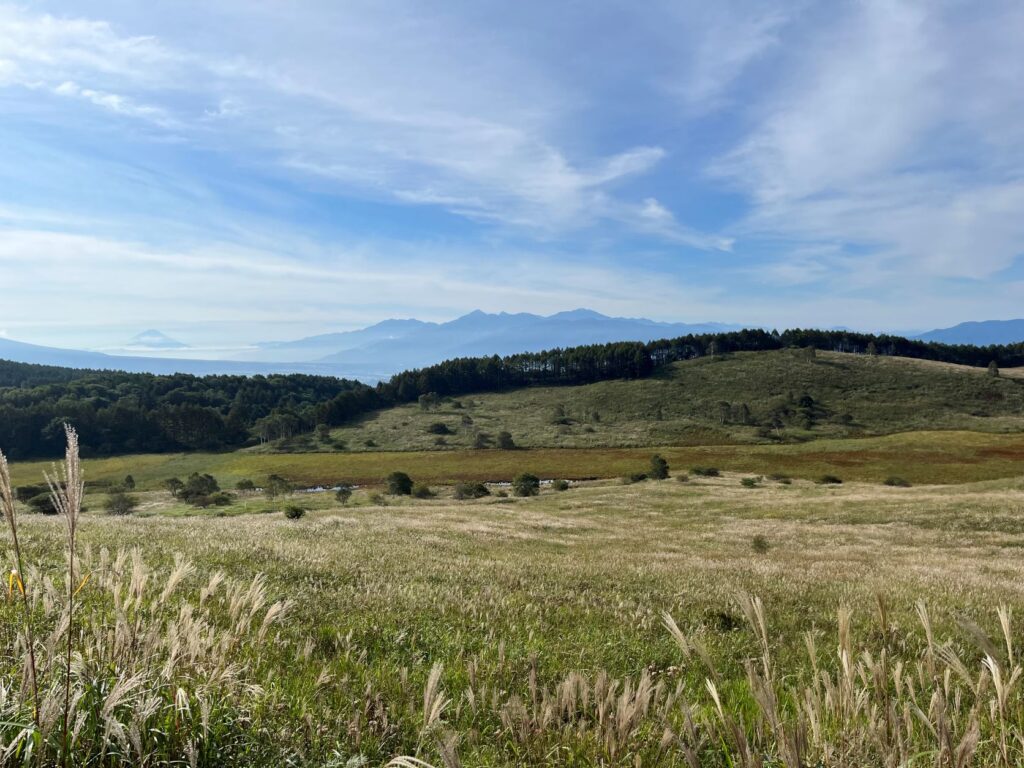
[745,398]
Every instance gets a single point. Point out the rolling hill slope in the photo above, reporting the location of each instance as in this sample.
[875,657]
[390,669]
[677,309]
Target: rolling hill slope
[749,397]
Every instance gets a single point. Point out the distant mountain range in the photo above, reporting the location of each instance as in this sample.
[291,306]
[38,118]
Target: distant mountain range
[380,350]
[377,352]
[398,345]
[980,333]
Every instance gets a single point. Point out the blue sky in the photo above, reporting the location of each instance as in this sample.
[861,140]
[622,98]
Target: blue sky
[240,171]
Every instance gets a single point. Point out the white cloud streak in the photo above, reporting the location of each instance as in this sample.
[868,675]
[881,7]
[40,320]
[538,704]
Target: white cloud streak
[408,122]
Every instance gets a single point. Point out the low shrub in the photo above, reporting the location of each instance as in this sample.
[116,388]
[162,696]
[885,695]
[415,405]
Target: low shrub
[897,482]
[343,494]
[705,471]
[294,512]
[830,480]
[749,482]
[42,504]
[471,491]
[526,484]
[759,544]
[636,477]
[560,485]
[120,503]
[399,484]
[420,491]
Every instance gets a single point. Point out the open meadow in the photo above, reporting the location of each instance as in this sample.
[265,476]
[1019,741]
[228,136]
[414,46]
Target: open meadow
[534,631]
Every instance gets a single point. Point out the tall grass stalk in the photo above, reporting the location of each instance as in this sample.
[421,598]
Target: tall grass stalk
[10,515]
[67,487]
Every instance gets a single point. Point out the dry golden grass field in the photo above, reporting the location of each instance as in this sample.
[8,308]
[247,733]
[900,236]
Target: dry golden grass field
[697,623]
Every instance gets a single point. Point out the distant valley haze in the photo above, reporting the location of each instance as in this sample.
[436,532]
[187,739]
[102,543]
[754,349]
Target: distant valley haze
[382,349]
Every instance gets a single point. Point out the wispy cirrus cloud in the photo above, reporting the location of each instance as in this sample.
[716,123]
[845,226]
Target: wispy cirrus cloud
[889,133]
[411,124]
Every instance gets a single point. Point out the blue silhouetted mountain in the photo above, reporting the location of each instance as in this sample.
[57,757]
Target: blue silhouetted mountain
[479,333]
[980,333]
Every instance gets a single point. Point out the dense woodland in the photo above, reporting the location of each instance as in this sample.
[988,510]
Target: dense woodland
[119,412]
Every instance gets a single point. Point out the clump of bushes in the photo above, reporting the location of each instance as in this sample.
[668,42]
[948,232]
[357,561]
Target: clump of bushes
[759,544]
[420,491]
[245,486]
[294,512]
[199,490]
[897,482]
[505,441]
[682,478]
[399,484]
[526,484]
[42,504]
[636,477]
[439,428]
[750,482]
[120,503]
[705,471]
[465,491]
[218,499]
[560,485]
[830,480]
[781,479]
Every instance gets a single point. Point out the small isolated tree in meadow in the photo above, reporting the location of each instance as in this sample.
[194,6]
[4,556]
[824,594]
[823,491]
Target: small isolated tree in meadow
[198,488]
[129,483]
[174,486]
[399,484]
[526,484]
[343,494]
[120,503]
[659,468]
[505,441]
[245,486]
[993,368]
[276,486]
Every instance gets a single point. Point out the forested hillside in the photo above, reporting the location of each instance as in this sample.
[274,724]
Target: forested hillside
[119,412]
[128,413]
[741,397]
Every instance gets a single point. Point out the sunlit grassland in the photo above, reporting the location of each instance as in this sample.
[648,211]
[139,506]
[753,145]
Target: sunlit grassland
[854,395]
[920,457]
[510,598]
